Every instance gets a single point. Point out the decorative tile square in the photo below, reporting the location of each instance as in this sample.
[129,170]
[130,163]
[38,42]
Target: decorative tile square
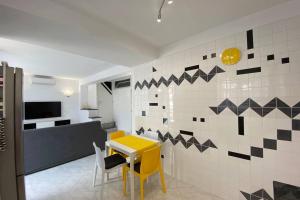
[284,135]
[257,152]
[285,60]
[296,125]
[270,144]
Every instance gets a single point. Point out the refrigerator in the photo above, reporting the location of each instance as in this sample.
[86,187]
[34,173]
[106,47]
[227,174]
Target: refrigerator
[12,185]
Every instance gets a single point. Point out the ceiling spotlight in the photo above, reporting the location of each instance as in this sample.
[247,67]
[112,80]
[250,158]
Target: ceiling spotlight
[159,18]
[161,7]
[159,11]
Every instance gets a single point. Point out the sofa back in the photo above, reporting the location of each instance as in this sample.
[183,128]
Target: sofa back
[48,147]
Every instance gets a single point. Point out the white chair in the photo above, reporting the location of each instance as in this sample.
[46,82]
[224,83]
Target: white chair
[151,135]
[106,164]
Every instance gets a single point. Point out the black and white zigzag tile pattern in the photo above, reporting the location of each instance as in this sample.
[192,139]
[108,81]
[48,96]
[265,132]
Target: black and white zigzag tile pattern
[142,130]
[187,144]
[290,111]
[260,194]
[282,135]
[270,144]
[185,76]
[282,191]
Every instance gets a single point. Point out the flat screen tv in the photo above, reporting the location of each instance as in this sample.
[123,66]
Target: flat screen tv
[39,110]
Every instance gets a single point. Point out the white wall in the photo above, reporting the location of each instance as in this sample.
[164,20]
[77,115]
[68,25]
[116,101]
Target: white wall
[212,169]
[105,104]
[279,12]
[122,108]
[70,105]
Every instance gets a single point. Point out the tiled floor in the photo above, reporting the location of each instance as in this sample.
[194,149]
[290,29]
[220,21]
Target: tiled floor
[74,181]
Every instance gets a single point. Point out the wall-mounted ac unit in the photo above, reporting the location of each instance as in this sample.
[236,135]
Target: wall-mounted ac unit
[43,80]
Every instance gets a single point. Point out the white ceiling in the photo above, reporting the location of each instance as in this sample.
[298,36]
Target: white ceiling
[122,32]
[181,19]
[44,61]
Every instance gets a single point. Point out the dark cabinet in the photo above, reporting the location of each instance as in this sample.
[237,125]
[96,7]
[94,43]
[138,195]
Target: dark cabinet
[62,122]
[29,126]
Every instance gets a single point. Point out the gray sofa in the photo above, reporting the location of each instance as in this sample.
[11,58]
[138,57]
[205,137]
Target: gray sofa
[49,147]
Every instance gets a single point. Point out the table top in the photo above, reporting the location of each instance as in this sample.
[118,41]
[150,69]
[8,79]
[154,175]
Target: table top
[132,143]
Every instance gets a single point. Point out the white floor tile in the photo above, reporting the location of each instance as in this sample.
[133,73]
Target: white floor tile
[74,181]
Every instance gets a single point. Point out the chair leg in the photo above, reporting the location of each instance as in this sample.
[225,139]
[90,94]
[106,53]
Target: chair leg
[95,175]
[124,180]
[142,188]
[102,177]
[162,180]
[107,176]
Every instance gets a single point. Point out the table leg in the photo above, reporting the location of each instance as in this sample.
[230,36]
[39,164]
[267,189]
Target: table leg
[132,176]
[106,150]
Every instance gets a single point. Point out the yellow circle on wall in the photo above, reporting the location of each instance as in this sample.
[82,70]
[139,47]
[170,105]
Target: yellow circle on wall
[231,56]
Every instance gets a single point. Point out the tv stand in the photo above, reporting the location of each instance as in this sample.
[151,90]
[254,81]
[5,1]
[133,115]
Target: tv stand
[30,124]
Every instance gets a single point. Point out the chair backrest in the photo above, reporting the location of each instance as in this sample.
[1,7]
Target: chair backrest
[99,156]
[150,160]
[151,135]
[116,134]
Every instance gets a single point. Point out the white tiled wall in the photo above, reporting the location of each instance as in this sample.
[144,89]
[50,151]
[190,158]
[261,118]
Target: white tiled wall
[213,170]
[70,105]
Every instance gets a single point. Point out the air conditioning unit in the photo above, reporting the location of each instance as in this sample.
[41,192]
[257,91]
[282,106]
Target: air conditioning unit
[42,80]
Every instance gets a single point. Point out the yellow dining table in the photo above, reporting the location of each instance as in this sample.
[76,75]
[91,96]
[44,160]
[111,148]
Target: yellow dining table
[131,145]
